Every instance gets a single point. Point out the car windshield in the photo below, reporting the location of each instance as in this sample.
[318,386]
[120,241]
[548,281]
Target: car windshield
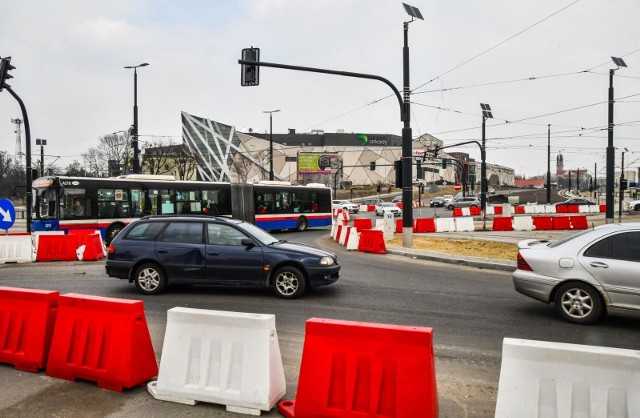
[388,204]
[259,234]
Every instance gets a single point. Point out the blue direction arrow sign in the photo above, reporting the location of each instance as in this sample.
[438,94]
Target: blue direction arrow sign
[7,214]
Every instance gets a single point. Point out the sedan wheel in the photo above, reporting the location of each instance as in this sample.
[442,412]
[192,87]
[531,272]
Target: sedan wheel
[578,303]
[289,283]
[636,207]
[150,279]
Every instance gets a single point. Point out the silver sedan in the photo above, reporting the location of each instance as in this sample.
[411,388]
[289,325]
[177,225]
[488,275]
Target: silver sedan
[585,275]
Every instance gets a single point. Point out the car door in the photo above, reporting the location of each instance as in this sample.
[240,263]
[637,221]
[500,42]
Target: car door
[614,261]
[181,251]
[229,262]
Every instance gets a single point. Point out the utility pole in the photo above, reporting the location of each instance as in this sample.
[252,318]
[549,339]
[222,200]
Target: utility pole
[18,154]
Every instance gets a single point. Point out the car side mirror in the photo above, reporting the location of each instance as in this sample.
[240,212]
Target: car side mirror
[248,242]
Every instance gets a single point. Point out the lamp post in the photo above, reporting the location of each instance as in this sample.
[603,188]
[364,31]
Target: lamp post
[271,112]
[407,144]
[42,143]
[548,164]
[621,186]
[486,114]
[134,131]
[610,150]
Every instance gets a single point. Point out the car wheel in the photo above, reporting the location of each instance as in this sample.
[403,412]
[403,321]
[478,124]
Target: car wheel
[578,303]
[636,207]
[302,224]
[289,283]
[450,207]
[150,279]
[112,231]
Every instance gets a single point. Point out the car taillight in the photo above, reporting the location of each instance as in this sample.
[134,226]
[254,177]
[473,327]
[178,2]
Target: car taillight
[522,263]
[111,249]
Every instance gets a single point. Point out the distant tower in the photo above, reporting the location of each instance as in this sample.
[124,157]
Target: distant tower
[18,154]
[559,165]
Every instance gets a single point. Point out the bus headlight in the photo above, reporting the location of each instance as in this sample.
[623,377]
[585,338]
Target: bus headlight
[327,261]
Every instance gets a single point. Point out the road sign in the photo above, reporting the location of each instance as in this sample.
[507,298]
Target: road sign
[457,186]
[7,214]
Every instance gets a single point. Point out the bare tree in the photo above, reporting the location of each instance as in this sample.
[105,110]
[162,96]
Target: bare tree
[158,156]
[12,176]
[113,147]
[95,163]
[242,167]
[185,162]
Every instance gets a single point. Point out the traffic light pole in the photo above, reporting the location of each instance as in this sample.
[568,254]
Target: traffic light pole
[28,176]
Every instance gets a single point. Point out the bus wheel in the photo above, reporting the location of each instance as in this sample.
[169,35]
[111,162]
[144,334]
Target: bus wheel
[302,224]
[112,231]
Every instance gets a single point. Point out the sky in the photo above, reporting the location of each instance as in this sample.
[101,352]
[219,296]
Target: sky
[536,62]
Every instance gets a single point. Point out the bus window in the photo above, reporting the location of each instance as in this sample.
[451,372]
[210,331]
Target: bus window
[76,204]
[167,199]
[189,201]
[113,203]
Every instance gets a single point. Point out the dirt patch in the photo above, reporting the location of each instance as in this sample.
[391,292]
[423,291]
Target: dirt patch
[467,247]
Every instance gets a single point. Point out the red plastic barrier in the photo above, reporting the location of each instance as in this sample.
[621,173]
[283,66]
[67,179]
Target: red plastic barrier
[371,208]
[543,223]
[519,210]
[398,226]
[56,247]
[399,204]
[27,318]
[475,211]
[359,369]
[573,208]
[561,222]
[362,223]
[603,208]
[457,211]
[372,241]
[562,209]
[502,224]
[578,222]
[425,225]
[93,249]
[103,340]
[497,210]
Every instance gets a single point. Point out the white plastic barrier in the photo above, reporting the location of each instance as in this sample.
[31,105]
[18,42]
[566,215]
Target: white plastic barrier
[529,209]
[354,239]
[464,224]
[523,223]
[343,234]
[16,249]
[594,209]
[545,379]
[490,211]
[466,212]
[363,208]
[540,209]
[507,210]
[584,208]
[333,228]
[549,209]
[445,225]
[227,358]
[379,224]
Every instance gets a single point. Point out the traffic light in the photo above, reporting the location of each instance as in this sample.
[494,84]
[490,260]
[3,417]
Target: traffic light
[398,166]
[250,75]
[5,67]
[372,166]
[444,163]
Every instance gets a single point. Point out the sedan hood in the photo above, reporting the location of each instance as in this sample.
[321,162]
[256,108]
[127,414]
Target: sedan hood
[303,248]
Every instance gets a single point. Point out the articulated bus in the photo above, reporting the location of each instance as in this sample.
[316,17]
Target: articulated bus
[108,204]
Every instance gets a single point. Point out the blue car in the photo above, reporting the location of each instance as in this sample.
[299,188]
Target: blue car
[156,251]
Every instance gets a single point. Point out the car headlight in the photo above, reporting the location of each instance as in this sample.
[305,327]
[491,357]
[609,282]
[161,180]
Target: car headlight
[327,261]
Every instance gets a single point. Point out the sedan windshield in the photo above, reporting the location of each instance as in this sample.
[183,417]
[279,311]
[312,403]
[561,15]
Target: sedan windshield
[259,234]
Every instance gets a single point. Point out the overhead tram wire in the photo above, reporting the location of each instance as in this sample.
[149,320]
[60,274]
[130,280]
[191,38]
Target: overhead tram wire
[497,45]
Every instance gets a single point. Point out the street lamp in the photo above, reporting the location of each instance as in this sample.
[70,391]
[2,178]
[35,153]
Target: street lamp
[134,131]
[42,143]
[407,144]
[621,186]
[610,150]
[486,114]
[271,112]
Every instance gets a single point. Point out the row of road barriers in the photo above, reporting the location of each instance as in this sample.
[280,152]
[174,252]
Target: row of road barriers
[77,245]
[348,369]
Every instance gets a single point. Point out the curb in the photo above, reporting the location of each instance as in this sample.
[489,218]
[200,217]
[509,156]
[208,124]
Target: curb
[482,263]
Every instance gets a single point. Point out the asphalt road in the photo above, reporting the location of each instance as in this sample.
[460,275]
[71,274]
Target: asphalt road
[470,310]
